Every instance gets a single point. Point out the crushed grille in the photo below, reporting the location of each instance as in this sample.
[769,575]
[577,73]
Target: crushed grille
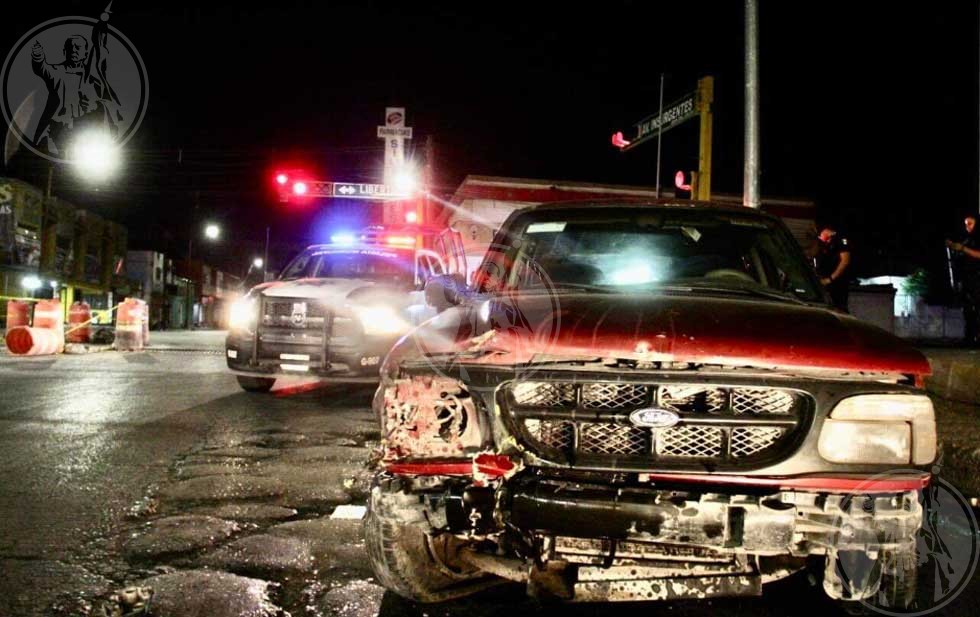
[749,440]
[693,399]
[761,400]
[614,395]
[690,441]
[619,440]
[554,434]
[543,394]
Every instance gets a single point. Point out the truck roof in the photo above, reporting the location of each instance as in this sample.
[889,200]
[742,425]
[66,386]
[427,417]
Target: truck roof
[665,204]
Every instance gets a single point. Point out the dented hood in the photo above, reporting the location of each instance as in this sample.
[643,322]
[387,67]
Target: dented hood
[668,328]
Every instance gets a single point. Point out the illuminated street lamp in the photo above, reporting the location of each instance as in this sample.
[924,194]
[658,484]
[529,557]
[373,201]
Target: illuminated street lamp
[30,282]
[258,262]
[405,180]
[95,155]
[212,231]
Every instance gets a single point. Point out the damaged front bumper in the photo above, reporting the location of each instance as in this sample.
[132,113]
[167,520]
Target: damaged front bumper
[580,542]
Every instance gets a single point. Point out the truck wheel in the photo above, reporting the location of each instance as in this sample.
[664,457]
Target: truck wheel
[406,560]
[255,384]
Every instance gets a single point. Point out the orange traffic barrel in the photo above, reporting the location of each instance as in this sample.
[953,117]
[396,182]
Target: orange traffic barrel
[47,314]
[26,341]
[18,314]
[129,325]
[78,314]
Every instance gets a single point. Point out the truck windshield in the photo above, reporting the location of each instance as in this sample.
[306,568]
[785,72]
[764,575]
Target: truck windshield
[636,248]
[372,264]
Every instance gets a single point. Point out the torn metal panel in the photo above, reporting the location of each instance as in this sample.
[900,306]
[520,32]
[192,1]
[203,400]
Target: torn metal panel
[430,417]
[667,589]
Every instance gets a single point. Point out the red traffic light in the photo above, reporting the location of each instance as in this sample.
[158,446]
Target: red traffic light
[281,178]
[619,141]
[679,182]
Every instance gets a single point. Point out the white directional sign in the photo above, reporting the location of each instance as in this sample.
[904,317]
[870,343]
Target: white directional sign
[352,190]
[345,190]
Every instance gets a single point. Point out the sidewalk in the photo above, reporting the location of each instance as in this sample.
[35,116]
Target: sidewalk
[212,341]
[955,373]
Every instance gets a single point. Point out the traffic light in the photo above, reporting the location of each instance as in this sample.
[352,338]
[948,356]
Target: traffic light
[685,186]
[291,183]
[619,141]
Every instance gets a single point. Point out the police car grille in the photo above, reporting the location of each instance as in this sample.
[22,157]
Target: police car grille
[296,313]
[588,423]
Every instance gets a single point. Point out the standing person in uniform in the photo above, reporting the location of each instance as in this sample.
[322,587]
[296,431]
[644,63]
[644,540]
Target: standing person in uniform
[833,262]
[968,269]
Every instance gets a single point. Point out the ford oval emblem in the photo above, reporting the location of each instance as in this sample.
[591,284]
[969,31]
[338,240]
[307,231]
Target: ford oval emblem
[652,417]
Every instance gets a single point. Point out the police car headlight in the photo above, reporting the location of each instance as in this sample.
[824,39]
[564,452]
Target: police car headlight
[244,313]
[880,429]
[380,320]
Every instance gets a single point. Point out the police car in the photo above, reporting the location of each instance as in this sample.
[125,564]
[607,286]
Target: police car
[337,308]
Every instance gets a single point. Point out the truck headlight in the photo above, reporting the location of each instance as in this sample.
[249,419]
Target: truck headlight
[381,320]
[880,428]
[244,314]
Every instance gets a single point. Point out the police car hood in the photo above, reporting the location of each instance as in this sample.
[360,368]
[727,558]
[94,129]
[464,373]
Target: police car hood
[328,290]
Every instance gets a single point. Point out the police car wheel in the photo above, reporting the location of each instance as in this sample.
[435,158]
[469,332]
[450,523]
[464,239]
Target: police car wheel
[255,384]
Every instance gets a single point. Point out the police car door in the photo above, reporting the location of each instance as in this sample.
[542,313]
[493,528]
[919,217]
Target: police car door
[427,265]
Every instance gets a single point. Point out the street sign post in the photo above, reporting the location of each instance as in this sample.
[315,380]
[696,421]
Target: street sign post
[697,103]
[346,190]
[675,114]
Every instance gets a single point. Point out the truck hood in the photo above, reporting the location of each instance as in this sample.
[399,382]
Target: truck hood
[665,328]
[325,289]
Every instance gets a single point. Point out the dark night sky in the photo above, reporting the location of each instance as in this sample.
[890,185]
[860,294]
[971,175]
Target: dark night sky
[870,108]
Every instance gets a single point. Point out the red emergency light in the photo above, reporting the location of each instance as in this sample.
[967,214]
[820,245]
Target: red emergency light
[400,240]
[619,141]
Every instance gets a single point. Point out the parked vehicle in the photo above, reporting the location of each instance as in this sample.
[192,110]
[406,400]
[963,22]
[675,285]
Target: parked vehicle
[647,401]
[337,308]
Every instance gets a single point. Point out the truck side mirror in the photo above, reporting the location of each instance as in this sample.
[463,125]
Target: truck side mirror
[445,290]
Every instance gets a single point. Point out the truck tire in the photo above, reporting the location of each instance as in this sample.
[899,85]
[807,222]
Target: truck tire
[255,384]
[402,554]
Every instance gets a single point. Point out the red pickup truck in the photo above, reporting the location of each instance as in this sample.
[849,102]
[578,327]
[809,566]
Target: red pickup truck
[647,401]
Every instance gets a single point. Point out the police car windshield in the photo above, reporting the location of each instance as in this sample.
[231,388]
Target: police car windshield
[642,248]
[371,264]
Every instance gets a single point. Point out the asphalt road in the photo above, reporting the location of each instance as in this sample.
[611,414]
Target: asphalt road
[124,474]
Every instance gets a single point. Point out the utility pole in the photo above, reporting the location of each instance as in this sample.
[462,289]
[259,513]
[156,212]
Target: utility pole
[660,130]
[428,175]
[265,259]
[750,181]
[706,96]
